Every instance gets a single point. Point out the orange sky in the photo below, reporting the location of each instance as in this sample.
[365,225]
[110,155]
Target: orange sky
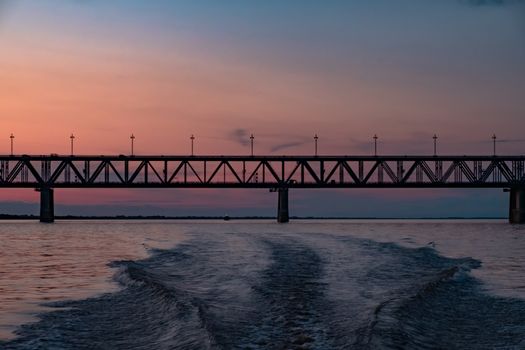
[103,85]
[169,69]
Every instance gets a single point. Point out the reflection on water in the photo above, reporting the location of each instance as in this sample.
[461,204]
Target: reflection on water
[66,260]
[317,284]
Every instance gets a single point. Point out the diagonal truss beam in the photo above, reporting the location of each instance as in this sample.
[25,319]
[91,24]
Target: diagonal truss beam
[271,171]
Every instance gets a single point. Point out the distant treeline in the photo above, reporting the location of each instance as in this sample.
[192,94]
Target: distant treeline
[162,217]
[127,217]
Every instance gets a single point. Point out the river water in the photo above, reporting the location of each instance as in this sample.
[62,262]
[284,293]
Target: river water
[259,285]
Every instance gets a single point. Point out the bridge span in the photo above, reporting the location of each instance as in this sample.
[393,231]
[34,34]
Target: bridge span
[279,174]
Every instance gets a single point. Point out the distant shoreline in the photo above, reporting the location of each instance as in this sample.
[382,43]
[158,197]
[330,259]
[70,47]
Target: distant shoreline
[7,217]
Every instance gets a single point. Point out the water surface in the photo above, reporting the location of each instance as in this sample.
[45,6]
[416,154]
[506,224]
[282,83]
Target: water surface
[260,285]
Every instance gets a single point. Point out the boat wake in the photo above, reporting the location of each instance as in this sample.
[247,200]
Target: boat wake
[263,291]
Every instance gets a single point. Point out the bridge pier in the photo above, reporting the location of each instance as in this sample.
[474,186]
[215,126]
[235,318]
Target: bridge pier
[47,205]
[517,205]
[283,215]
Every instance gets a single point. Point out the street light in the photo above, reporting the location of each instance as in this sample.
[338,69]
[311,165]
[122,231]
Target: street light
[375,145]
[132,138]
[494,142]
[251,143]
[315,140]
[435,144]
[192,138]
[72,137]
[12,137]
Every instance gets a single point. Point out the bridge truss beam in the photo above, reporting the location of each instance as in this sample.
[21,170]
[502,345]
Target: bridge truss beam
[274,172]
[261,172]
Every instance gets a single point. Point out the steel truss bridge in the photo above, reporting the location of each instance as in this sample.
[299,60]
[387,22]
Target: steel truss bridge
[278,173]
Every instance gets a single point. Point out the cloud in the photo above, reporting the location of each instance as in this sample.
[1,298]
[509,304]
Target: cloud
[287,145]
[240,136]
[498,140]
[492,2]
[511,140]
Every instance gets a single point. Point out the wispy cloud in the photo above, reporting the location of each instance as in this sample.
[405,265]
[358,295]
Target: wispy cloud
[286,145]
[498,140]
[492,2]
[511,140]
[240,136]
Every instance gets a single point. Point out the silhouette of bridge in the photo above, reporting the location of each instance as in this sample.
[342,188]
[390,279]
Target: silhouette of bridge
[277,173]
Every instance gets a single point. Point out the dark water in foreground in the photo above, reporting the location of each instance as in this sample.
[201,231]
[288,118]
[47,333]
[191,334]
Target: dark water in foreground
[259,285]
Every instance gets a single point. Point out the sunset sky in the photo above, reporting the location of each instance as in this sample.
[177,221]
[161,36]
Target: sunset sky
[280,69]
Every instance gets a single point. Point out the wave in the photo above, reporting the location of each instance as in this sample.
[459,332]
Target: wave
[446,309]
[384,313]
[296,291]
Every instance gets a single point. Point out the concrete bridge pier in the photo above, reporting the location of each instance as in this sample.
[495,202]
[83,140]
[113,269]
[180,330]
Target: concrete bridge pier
[517,205]
[283,214]
[47,205]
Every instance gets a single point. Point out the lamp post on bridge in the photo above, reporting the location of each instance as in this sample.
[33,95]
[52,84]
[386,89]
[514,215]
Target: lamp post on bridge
[494,143]
[72,137]
[435,144]
[192,138]
[132,138]
[375,144]
[315,140]
[251,143]
[12,137]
